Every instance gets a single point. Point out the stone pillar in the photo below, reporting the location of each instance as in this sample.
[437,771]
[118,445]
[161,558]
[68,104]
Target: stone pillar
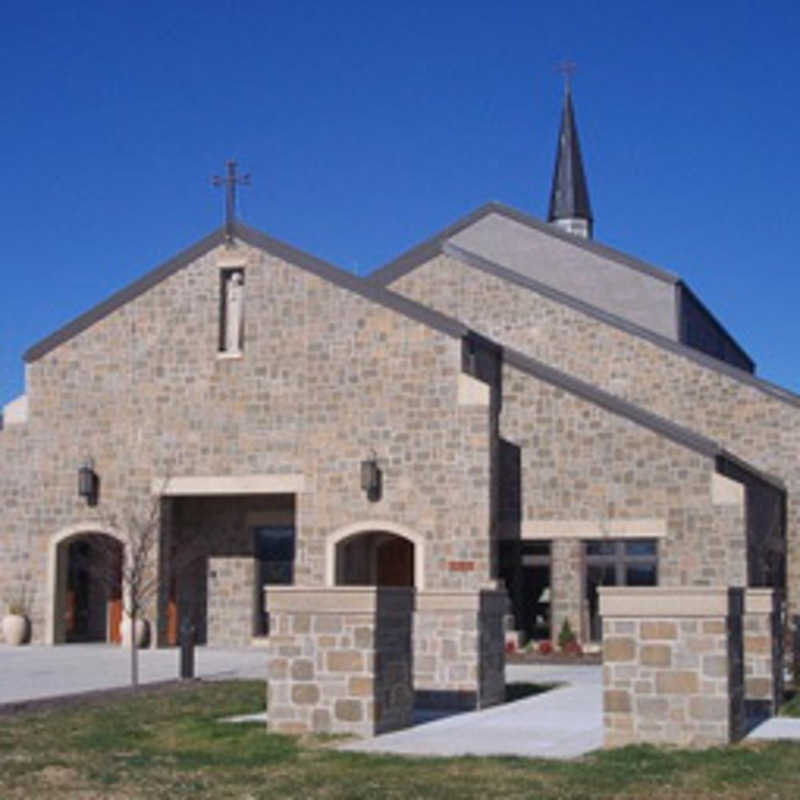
[459,652]
[672,665]
[566,588]
[763,651]
[231,601]
[339,659]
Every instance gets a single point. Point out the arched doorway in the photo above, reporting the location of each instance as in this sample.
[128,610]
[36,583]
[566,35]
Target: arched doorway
[375,558]
[87,588]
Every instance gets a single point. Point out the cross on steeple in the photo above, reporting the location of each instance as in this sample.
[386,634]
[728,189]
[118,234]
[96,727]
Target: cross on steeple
[567,69]
[230,182]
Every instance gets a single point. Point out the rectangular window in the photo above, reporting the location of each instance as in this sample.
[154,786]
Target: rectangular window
[274,550]
[525,568]
[616,562]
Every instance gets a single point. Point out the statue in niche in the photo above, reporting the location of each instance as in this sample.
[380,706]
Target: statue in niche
[234,317]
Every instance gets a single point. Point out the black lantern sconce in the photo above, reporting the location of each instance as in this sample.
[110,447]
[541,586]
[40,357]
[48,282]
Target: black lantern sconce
[88,482]
[371,478]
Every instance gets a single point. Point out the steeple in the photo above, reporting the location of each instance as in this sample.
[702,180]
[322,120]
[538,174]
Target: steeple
[569,197]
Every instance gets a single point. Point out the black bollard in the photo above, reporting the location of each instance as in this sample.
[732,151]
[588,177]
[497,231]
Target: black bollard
[187,650]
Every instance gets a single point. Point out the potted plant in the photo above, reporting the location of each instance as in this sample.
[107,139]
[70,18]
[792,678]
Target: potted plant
[16,624]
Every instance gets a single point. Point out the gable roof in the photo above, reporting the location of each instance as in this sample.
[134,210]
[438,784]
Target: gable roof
[439,243]
[504,273]
[274,247]
[401,305]
[422,252]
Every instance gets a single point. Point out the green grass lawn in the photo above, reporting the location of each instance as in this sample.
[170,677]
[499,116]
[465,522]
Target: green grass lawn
[169,744]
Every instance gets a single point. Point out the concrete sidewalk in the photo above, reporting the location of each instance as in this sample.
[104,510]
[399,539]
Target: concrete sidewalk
[37,671]
[562,723]
[787,728]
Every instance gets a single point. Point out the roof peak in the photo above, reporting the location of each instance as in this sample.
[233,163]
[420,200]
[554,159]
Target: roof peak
[569,196]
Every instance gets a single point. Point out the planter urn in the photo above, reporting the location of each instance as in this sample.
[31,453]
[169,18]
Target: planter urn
[142,632]
[16,629]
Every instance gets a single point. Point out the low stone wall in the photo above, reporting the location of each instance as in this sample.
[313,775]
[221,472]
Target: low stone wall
[459,649]
[763,650]
[339,660]
[672,665]
[231,610]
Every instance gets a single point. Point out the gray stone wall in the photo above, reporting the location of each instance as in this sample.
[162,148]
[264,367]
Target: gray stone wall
[339,660]
[763,650]
[761,428]
[566,588]
[581,463]
[459,655]
[231,601]
[672,666]
[326,377]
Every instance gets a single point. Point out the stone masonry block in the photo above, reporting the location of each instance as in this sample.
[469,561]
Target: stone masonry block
[618,649]
[616,701]
[656,655]
[677,682]
[659,629]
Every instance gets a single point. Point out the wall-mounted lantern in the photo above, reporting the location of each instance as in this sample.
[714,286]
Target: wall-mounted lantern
[88,482]
[371,478]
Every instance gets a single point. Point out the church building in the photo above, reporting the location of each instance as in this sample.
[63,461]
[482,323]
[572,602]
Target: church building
[510,410]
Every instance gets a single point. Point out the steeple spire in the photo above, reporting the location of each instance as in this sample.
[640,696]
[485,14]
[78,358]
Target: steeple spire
[569,197]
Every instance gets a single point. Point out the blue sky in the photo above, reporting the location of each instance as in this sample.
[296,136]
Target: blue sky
[368,126]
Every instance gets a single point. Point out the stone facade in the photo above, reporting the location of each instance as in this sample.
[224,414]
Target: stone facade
[672,666]
[583,464]
[339,660]
[758,422]
[763,650]
[231,592]
[327,376]
[333,371]
[459,656]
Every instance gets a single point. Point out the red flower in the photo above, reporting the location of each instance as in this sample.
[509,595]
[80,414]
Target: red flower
[545,648]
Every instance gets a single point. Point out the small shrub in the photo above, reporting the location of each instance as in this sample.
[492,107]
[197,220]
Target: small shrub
[566,635]
[545,648]
[573,648]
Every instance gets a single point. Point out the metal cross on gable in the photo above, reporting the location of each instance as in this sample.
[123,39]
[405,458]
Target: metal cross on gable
[230,181]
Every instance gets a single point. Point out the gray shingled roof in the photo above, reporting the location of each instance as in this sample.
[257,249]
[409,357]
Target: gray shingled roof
[431,246]
[499,271]
[439,243]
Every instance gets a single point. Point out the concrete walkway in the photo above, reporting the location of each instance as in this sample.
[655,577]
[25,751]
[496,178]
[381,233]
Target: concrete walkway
[37,671]
[776,728]
[562,723]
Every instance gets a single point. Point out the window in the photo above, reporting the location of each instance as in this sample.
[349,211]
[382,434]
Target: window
[274,547]
[616,562]
[525,568]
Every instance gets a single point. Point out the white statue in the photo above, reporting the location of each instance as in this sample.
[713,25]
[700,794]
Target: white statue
[234,296]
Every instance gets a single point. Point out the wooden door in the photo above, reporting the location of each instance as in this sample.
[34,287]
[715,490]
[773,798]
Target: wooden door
[395,562]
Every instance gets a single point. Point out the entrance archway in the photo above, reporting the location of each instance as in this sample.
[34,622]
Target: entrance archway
[375,558]
[375,552]
[85,586]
